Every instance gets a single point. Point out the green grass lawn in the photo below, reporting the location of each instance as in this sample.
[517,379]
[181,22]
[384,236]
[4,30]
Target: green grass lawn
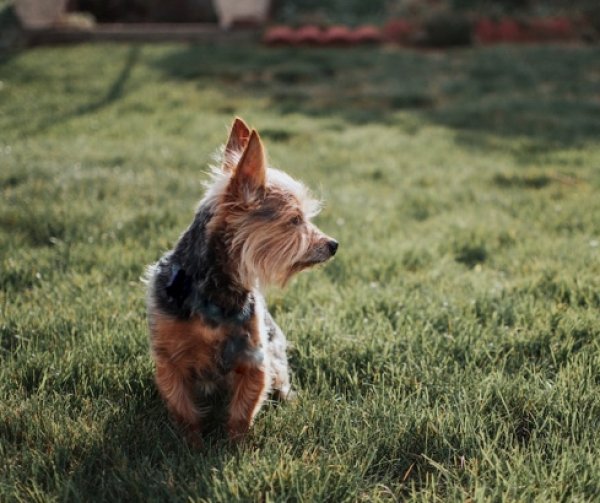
[451,350]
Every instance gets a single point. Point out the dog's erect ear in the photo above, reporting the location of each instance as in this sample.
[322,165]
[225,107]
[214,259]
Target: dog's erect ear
[251,171]
[238,139]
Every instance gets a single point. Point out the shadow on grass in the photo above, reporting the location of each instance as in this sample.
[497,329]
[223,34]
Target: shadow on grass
[113,93]
[545,95]
[116,90]
[140,453]
[11,34]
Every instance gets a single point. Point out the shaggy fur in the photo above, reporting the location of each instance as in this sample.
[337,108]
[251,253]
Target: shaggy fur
[211,333]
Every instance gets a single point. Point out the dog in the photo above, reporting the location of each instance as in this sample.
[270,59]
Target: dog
[210,330]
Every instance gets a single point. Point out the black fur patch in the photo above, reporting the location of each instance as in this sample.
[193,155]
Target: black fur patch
[194,280]
[233,350]
[179,285]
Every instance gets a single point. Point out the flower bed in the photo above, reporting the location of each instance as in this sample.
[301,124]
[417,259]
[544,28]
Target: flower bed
[441,30]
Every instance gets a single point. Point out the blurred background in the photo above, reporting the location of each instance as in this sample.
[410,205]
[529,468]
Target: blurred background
[410,22]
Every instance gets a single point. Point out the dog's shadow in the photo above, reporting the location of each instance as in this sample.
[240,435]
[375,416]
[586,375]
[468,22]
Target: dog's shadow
[141,453]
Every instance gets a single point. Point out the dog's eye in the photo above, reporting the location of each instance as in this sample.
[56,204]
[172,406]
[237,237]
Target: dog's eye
[297,220]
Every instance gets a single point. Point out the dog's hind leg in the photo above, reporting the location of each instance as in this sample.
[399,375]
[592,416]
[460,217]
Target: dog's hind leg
[276,348]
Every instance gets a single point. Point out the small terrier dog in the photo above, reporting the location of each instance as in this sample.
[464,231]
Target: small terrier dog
[210,330]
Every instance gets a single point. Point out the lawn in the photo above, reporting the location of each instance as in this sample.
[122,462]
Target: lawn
[451,351]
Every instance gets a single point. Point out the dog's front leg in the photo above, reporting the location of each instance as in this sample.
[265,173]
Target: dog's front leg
[176,387]
[249,392]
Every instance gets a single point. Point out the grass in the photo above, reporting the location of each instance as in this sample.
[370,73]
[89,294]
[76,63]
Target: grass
[450,352]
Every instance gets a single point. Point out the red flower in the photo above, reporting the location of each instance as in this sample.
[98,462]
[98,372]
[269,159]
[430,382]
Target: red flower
[279,35]
[366,35]
[486,31]
[309,35]
[509,31]
[399,31]
[337,35]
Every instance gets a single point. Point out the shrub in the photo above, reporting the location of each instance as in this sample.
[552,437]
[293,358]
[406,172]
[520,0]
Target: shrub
[445,29]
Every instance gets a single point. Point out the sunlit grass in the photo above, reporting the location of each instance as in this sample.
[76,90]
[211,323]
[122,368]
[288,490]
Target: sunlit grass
[451,350]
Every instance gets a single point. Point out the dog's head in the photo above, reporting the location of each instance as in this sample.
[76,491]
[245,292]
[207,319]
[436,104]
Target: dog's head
[265,215]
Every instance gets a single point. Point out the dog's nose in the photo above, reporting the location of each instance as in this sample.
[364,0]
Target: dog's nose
[332,244]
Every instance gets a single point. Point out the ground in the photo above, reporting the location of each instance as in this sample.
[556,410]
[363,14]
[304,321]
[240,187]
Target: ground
[451,350]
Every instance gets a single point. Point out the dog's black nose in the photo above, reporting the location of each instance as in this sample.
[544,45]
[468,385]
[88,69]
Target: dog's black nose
[332,244]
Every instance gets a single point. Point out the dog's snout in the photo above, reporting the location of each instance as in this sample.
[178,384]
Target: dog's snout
[332,244]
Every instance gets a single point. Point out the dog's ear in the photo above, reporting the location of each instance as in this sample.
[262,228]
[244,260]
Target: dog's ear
[236,143]
[251,171]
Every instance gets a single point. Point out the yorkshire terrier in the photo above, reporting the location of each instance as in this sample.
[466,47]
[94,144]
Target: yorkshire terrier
[210,331]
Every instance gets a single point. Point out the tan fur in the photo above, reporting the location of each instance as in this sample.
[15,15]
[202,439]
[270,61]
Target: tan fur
[182,350]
